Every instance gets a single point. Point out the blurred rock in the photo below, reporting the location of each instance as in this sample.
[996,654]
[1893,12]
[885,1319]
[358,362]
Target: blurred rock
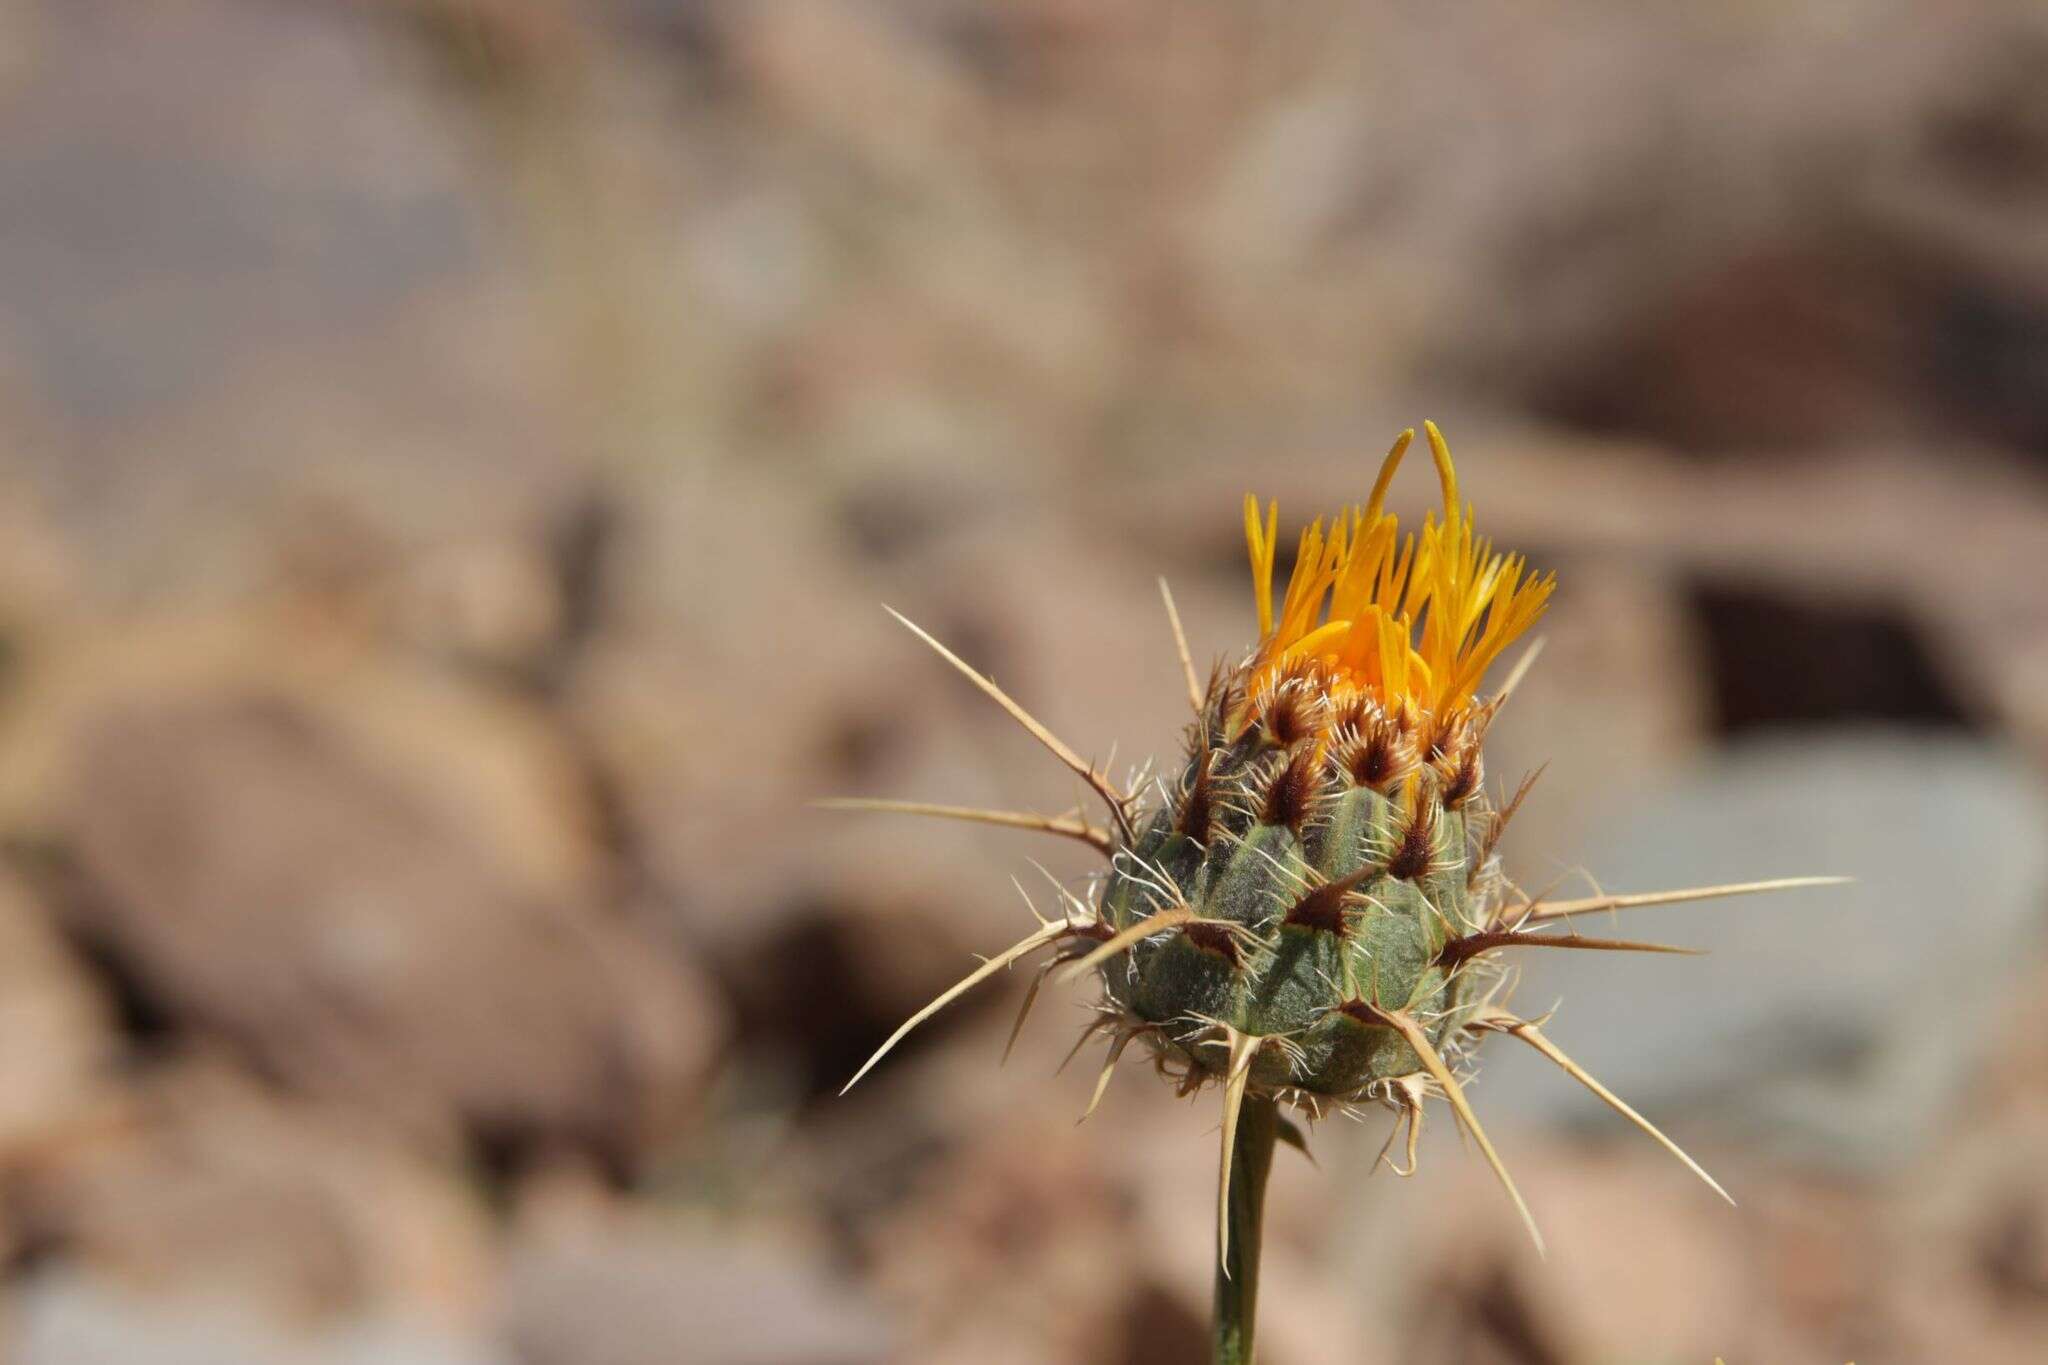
[491,605]
[62,1318]
[1815,262]
[737,677]
[1614,691]
[1837,1024]
[1969,1221]
[631,1293]
[201,1187]
[40,578]
[1615,1221]
[239,236]
[56,1028]
[1020,1218]
[262,876]
[499,770]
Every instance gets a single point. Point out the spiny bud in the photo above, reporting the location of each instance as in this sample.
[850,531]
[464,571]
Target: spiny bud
[1312,915]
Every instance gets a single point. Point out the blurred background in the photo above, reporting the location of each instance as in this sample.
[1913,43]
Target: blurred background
[451,457]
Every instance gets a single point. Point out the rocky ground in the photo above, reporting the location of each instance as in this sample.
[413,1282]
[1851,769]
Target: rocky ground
[451,457]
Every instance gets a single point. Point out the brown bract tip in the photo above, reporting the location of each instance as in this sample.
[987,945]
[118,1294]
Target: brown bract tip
[1212,937]
[1198,803]
[1374,751]
[1323,908]
[1288,714]
[1459,773]
[1292,792]
[1416,850]
[1225,699]
[1363,1012]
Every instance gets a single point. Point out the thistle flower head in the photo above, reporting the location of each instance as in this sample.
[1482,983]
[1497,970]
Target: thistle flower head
[1311,911]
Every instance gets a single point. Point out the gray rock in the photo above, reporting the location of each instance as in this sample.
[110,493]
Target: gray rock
[1835,1024]
[64,1318]
[170,217]
[637,1298]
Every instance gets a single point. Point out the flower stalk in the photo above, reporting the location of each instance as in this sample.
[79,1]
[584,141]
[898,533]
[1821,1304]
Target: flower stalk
[1237,1267]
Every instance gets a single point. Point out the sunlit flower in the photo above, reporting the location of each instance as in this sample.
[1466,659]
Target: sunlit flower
[1310,910]
[1410,622]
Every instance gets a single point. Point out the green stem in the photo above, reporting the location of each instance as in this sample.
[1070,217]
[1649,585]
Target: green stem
[1237,1276]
